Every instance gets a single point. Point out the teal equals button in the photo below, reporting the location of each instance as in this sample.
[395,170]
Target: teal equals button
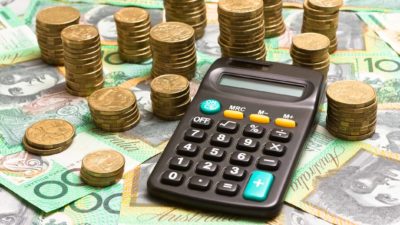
[259,185]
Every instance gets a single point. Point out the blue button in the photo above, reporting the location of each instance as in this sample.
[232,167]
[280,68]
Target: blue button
[258,187]
[210,106]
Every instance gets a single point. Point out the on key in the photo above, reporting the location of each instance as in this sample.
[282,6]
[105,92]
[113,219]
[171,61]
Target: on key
[195,135]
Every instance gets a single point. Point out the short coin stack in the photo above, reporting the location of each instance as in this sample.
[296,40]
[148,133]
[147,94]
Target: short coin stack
[352,110]
[170,96]
[82,54]
[49,24]
[322,17]
[242,31]
[114,109]
[173,48]
[192,12]
[102,168]
[274,24]
[48,137]
[311,50]
[133,27]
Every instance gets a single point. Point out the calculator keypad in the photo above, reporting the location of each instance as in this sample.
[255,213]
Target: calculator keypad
[195,135]
[227,188]
[187,149]
[274,149]
[214,154]
[227,126]
[199,183]
[180,163]
[221,140]
[202,122]
[173,178]
[234,173]
[254,131]
[247,144]
[241,158]
[280,135]
[267,163]
[207,168]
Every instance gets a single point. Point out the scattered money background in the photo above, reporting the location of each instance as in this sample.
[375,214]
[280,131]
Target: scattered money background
[336,181]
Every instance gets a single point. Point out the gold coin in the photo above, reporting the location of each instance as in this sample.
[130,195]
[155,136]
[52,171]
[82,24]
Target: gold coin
[351,93]
[44,152]
[81,34]
[111,101]
[326,5]
[57,16]
[99,182]
[311,42]
[239,7]
[169,85]
[131,16]
[120,128]
[351,137]
[49,133]
[172,33]
[103,163]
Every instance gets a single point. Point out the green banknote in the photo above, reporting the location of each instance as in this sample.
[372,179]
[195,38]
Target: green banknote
[385,25]
[101,208]
[358,5]
[141,3]
[139,208]
[96,13]
[17,42]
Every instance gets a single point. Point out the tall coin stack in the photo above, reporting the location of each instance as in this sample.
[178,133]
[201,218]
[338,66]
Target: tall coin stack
[49,24]
[242,31]
[352,110]
[311,50]
[114,109]
[82,55]
[173,48]
[322,17]
[192,12]
[274,24]
[133,27]
[102,168]
[170,96]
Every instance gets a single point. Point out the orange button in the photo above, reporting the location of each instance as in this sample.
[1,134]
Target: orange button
[256,118]
[231,114]
[285,123]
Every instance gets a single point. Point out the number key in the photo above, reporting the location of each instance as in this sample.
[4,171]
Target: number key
[195,135]
[214,154]
[221,140]
[207,168]
[180,163]
[241,158]
[247,144]
[187,148]
[172,178]
[234,173]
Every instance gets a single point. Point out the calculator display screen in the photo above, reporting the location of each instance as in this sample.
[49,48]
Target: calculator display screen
[264,86]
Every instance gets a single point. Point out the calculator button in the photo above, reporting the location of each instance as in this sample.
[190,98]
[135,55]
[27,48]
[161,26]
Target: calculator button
[256,118]
[188,149]
[265,163]
[207,168]
[195,135]
[214,154]
[180,163]
[227,126]
[221,140]
[255,131]
[227,188]
[232,114]
[234,173]
[259,185]
[247,144]
[199,183]
[172,178]
[241,158]
[285,123]
[280,135]
[210,106]
[275,149]
[202,122]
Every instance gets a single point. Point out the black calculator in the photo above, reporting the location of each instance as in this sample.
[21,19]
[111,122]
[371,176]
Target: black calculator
[239,141]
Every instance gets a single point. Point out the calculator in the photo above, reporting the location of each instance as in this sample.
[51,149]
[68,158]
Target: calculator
[236,147]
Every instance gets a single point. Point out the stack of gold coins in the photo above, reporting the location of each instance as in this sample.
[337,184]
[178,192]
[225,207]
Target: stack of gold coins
[114,109]
[192,12]
[48,137]
[274,24]
[352,110]
[242,31]
[173,48]
[133,28]
[311,50]
[82,55]
[170,96]
[322,17]
[49,24]
[102,168]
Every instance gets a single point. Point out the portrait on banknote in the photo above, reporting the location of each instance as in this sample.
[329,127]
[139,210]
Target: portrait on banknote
[387,134]
[365,190]
[26,82]
[16,212]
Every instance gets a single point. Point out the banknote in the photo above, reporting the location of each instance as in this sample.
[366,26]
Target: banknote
[101,208]
[364,5]
[385,24]
[17,42]
[138,207]
[93,13]
[349,183]
[19,7]
[141,3]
